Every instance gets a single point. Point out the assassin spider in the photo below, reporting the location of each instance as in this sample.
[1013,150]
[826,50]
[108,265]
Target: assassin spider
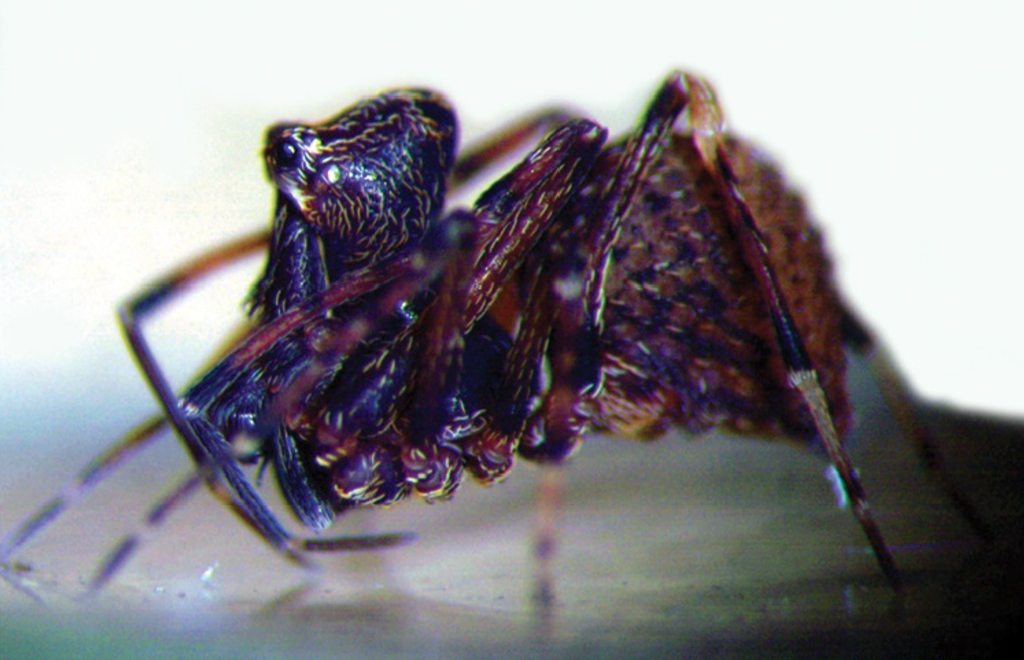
[668,279]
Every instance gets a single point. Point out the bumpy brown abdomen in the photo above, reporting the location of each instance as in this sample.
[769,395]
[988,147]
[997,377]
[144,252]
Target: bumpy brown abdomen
[687,338]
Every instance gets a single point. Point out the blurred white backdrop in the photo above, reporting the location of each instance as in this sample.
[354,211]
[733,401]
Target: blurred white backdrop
[130,138]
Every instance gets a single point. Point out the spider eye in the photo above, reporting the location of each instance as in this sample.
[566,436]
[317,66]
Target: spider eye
[286,153]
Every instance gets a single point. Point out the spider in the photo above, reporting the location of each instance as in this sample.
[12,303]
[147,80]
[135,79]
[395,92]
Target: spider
[666,279]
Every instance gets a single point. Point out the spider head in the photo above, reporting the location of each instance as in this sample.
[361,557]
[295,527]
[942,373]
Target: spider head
[371,179]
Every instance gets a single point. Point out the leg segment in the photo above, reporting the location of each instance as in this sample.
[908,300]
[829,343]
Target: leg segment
[432,464]
[211,451]
[100,467]
[183,278]
[516,217]
[156,515]
[504,143]
[901,402]
[574,281]
[707,128]
[177,281]
[512,204]
[215,460]
[567,277]
[520,206]
[567,307]
[83,482]
[435,415]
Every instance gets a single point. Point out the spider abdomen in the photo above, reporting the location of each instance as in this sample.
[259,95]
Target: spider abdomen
[687,340]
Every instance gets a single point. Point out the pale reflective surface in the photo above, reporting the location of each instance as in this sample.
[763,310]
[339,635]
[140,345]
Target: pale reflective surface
[716,547]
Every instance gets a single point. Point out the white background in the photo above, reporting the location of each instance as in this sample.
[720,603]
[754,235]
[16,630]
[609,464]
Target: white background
[130,138]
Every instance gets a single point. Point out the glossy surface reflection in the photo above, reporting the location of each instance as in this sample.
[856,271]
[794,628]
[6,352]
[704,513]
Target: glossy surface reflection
[721,546]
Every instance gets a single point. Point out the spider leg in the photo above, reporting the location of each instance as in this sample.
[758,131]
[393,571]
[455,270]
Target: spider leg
[432,465]
[575,283]
[187,487]
[438,411]
[519,199]
[565,287]
[116,558]
[182,278]
[504,142]
[368,444]
[568,279]
[203,439]
[514,223]
[11,574]
[901,401]
[108,461]
[93,473]
[100,467]
[550,491]
[513,213]
[562,319]
[518,208]
[548,178]
[707,125]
